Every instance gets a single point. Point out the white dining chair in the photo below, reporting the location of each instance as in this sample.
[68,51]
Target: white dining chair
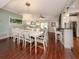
[28,39]
[58,35]
[15,34]
[43,38]
[21,36]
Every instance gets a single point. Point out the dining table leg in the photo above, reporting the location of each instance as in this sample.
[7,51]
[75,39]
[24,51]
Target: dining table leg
[35,45]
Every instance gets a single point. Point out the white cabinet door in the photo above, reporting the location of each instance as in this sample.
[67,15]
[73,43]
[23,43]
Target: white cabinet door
[68,38]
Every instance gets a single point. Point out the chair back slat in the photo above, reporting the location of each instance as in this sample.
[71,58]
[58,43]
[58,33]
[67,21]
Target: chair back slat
[45,34]
[26,35]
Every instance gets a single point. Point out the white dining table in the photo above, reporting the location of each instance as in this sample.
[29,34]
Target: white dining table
[35,34]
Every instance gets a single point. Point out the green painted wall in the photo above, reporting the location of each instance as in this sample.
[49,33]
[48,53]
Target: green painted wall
[4,20]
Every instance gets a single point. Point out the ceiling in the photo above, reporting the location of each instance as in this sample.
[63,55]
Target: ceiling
[47,7]
[74,8]
[3,3]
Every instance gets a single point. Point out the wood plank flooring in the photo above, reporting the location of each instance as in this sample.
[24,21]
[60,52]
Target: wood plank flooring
[76,47]
[11,50]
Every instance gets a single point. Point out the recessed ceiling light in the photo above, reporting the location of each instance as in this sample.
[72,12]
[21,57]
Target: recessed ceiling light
[41,16]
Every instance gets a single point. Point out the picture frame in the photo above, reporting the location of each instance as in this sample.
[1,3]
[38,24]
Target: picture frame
[13,20]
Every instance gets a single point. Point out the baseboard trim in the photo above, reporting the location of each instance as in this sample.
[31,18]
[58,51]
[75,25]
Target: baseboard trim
[4,39]
[4,36]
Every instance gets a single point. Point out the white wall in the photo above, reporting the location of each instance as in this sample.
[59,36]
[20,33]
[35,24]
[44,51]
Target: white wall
[71,18]
[65,22]
[76,18]
[53,19]
[4,22]
[73,9]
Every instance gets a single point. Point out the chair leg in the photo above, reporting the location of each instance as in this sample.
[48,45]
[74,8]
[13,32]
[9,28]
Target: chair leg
[44,46]
[18,40]
[46,43]
[30,46]
[14,39]
[55,38]
[25,43]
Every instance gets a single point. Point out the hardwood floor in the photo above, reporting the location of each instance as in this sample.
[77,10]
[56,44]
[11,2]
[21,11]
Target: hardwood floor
[76,47]
[11,50]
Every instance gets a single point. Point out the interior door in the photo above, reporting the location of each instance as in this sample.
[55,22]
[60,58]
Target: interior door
[74,24]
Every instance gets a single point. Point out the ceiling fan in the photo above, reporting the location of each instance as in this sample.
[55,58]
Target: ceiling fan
[27,4]
[41,16]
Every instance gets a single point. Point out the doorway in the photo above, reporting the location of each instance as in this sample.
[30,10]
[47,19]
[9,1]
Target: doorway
[74,27]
